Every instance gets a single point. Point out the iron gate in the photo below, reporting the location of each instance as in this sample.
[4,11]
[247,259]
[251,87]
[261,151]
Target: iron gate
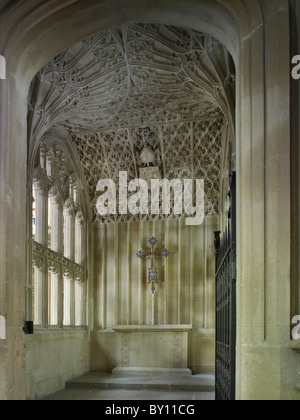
[225,253]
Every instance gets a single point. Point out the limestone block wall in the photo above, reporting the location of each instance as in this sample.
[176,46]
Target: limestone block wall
[54,358]
[185,294]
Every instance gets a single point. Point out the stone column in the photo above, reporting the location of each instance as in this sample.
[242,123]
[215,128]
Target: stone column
[264,232]
[13,125]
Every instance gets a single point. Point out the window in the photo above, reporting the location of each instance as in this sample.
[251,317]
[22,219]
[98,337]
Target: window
[79,304]
[37,295]
[33,213]
[57,242]
[79,239]
[68,300]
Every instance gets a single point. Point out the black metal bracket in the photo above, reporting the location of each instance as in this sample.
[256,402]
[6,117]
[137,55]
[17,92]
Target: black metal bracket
[28,327]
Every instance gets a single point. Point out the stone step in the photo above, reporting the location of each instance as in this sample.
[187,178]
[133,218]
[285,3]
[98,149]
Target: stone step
[195,383]
[137,371]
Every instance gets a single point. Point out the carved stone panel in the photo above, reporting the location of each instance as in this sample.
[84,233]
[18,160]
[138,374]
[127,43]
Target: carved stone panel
[125,350]
[178,350]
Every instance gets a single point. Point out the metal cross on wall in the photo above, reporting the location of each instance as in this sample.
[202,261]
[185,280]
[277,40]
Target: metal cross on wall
[152,254]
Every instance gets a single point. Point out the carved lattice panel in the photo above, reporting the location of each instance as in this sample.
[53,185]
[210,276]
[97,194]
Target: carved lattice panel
[186,150]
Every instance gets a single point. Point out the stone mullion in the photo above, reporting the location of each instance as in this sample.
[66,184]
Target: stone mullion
[84,306]
[45,294]
[60,297]
[60,274]
[29,280]
[29,295]
[72,300]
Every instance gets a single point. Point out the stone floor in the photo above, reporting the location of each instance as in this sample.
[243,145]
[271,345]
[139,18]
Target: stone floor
[95,386]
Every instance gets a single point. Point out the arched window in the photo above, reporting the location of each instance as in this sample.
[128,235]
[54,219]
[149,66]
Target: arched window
[56,246]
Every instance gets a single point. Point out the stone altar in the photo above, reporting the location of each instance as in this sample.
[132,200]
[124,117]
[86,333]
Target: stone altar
[152,349]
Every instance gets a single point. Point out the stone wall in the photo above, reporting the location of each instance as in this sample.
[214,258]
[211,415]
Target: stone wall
[185,293]
[54,358]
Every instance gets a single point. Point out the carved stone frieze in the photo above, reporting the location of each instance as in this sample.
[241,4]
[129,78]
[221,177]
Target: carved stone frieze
[38,261]
[68,272]
[57,263]
[54,267]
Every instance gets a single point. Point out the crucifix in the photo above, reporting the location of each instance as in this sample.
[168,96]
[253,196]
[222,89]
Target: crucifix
[152,254]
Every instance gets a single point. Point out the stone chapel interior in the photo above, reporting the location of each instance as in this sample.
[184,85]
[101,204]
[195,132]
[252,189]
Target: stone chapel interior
[93,109]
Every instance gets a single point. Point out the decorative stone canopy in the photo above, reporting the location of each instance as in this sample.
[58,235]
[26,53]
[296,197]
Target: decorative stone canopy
[102,93]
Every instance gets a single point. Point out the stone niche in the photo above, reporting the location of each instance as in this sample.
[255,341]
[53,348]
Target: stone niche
[152,349]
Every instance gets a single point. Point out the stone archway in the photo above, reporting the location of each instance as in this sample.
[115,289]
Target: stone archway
[257,35]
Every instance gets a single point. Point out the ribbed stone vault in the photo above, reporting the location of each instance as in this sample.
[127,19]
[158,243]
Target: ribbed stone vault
[103,93]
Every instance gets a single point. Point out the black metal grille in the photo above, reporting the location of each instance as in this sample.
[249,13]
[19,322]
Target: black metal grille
[225,253]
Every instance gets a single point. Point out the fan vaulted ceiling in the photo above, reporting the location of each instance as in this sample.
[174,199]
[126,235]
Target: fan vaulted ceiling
[102,91]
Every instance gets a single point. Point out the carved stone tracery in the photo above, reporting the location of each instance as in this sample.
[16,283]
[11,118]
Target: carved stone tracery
[45,259]
[187,150]
[103,93]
